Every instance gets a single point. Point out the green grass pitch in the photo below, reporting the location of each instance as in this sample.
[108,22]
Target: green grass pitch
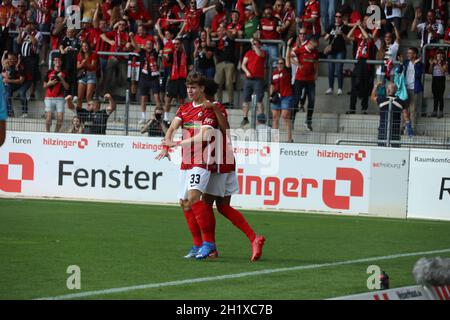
[120,245]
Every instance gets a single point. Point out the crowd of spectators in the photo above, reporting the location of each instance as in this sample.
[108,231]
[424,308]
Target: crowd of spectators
[153,49]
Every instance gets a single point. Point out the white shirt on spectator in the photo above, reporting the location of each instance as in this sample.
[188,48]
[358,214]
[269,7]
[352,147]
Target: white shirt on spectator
[421,28]
[410,76]
[396,12]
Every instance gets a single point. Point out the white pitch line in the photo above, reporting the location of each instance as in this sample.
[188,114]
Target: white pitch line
[236,275]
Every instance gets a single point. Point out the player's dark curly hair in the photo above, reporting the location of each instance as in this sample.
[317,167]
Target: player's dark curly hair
[210,88]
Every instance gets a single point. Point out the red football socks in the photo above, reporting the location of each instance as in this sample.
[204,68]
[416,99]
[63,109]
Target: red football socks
[193,227]
[205,219]
[213,221]
[237,219]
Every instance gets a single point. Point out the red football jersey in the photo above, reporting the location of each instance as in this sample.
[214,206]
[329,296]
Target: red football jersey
[224,156]
[194,117]
[56,91]
[364,48]
[255,63]
[120,40]
[168,50]
[142,15]
[93,57]
[281,81]
[140,41]
[217,20]
[235,27]
[105,8]
[312,10]
[306,60]
[193,17]
[90,35]
[41,17]
[268,28]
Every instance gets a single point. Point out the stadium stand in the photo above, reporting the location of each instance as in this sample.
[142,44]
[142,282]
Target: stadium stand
[114,35]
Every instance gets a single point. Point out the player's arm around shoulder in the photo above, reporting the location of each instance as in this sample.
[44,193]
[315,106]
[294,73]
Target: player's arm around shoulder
[220,114]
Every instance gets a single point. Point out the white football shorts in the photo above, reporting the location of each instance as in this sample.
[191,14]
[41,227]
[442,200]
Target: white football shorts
[196,178]
[222,184]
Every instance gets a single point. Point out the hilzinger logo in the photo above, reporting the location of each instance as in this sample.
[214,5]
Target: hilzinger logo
[27,164]
[81,144]
[248,151]
[292,187]
[359,156]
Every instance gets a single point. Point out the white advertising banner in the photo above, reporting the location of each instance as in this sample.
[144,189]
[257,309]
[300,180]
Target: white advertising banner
[85,167]
[271,176]
[306,177]
[429,184]
[389,181]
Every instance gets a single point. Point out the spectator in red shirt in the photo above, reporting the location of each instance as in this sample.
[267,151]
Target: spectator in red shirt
[234,28]
[148,78]
[88,33]
[269,29]
[169,15]
[288,24]
[87,62]
[136,16]
[253,66]
[7,11]
[107,11]
[362,73]
[176,84]
[101,45]
[138,42]
[311,18]
[278,9]
[191,28]
[167,54]
[55,86]
[43,16]
[281,95]
[120,41]
[305,78]
[140,39]
[220,18]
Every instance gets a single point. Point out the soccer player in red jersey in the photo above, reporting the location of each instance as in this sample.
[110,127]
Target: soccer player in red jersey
[197,123]
[223,181]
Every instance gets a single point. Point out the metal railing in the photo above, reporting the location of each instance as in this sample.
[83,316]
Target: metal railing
[428,135]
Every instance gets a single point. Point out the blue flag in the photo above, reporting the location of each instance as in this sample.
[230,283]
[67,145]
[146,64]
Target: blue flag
[3,112]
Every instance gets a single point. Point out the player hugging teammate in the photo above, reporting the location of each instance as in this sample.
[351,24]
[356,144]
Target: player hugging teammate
[202,181]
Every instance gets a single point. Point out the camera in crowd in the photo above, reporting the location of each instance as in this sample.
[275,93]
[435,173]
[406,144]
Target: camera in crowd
[275,98]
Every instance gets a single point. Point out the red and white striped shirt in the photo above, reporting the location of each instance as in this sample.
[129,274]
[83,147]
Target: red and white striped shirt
[41,17]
